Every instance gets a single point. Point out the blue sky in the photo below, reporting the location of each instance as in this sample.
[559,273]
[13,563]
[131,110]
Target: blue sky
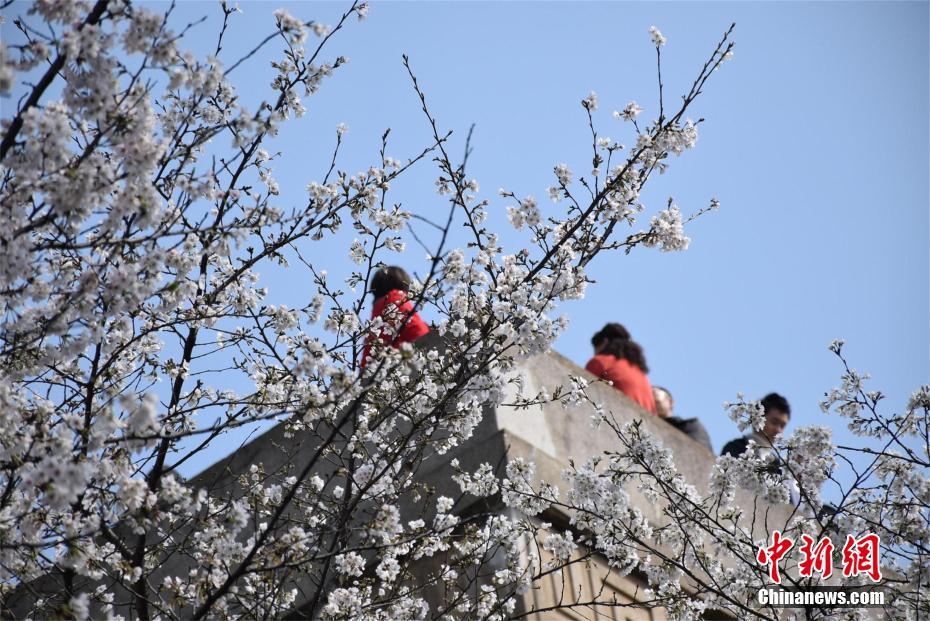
[815,142]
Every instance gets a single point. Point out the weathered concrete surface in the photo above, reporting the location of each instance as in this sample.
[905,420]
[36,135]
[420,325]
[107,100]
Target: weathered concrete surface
[549,435]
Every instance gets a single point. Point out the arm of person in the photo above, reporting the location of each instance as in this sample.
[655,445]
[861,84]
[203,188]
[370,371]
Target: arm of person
[595,367]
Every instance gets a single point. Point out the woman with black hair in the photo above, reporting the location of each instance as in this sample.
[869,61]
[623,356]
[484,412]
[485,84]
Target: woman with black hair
[620,360]
[389,286]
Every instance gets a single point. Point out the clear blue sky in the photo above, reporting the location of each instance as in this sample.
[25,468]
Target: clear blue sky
[815,143]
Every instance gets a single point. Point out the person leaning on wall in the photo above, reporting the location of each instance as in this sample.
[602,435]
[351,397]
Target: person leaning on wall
[620,360]
[390,286]
[691,427]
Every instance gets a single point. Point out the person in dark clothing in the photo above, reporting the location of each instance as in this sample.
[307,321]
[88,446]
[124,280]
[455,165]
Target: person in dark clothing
[777,414]
[691,427]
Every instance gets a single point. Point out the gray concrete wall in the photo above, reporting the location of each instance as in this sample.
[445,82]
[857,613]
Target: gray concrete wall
[549,435]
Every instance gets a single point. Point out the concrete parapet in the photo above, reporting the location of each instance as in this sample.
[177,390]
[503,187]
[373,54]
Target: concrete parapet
[550,435]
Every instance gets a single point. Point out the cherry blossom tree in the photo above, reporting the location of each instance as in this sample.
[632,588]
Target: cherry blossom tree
[138,207]
[703,554]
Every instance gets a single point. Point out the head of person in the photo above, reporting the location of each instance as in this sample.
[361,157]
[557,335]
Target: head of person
[388,279]
[614,340]
[664,401]
[777,414]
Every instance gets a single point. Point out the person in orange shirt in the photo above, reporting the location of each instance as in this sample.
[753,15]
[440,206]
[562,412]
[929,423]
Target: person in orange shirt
[389,286]
[620,359]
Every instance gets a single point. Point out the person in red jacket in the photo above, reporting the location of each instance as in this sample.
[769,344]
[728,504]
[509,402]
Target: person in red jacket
[389,287]
[620,359]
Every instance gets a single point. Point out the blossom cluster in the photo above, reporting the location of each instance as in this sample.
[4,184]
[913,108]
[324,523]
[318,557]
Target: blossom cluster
[140,210]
